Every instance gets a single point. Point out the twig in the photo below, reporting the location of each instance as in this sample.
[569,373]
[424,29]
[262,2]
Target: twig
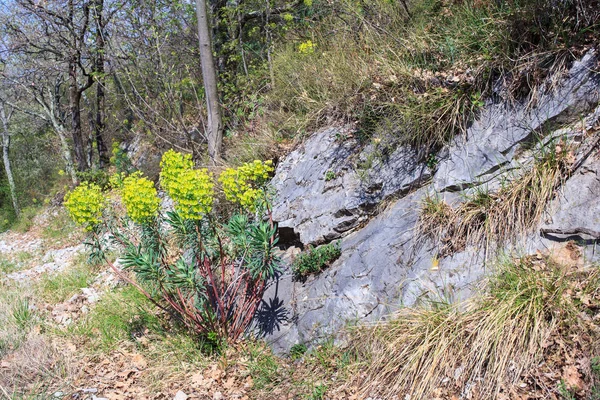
[572,231]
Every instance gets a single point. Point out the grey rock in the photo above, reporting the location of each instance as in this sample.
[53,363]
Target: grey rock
[319,209]
[493,140]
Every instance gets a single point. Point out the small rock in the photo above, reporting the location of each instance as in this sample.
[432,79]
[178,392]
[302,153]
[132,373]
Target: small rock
[217,396]
[90,390]
[58,394]
[180,396]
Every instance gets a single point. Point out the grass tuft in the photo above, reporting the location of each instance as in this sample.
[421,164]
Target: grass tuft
[58,287]
[488,217]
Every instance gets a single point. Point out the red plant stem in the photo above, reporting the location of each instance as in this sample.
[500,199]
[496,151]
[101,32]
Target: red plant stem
[210,276]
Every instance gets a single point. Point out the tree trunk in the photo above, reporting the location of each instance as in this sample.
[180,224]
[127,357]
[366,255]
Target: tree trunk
[75,109]
[99,69]
[209,76]
[6,160]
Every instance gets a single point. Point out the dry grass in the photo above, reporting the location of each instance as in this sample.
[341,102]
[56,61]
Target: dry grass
[486,348]
[487,218]
[37,368]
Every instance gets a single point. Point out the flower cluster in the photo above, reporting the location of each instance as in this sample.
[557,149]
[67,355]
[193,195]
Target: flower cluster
[244,184]
[140,198]
[307,47]
[191,189]
[85,204]
[172,165]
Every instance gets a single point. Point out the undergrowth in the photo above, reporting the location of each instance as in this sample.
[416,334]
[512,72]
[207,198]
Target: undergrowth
[313,260]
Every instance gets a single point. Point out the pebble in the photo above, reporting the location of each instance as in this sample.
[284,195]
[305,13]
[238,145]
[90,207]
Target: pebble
[180,396]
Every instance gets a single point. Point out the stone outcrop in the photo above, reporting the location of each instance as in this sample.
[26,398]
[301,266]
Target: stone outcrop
[322,195]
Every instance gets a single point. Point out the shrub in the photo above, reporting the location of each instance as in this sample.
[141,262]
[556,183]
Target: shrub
[315,259]
[212,274]
[96,176]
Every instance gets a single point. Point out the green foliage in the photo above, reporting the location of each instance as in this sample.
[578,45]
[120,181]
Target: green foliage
[17,317]
[318,392]
[263,367]
[123,314]
[25,220]
[315,259]
[329,176]
[22,314]
[58,287]
[297,351]
[7,266]
[96,177]
[120,160]
[565,392]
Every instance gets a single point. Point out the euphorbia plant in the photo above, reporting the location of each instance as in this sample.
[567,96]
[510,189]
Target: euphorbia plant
[212,274]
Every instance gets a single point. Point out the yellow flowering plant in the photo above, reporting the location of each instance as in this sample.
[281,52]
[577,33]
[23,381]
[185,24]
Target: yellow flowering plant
[213,274]
[140,198]
[307,47]
[85,204]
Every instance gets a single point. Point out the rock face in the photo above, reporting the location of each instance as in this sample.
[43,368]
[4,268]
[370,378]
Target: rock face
[322,195]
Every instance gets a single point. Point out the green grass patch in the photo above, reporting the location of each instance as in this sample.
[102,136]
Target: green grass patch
[59,226]
[123,314]
[314,260]
[263,366]
[58,287]
[17,317]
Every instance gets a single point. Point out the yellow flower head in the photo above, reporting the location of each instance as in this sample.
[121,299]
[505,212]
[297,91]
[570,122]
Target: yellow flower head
[85,204]
[191,189]
[193,193]
[172,164]
[140,198]
[307,47]
[244,184]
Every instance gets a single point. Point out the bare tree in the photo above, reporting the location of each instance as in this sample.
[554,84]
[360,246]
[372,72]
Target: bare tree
[6,117]
[209,76]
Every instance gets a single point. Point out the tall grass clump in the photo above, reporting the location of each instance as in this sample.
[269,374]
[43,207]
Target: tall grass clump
[486,346]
